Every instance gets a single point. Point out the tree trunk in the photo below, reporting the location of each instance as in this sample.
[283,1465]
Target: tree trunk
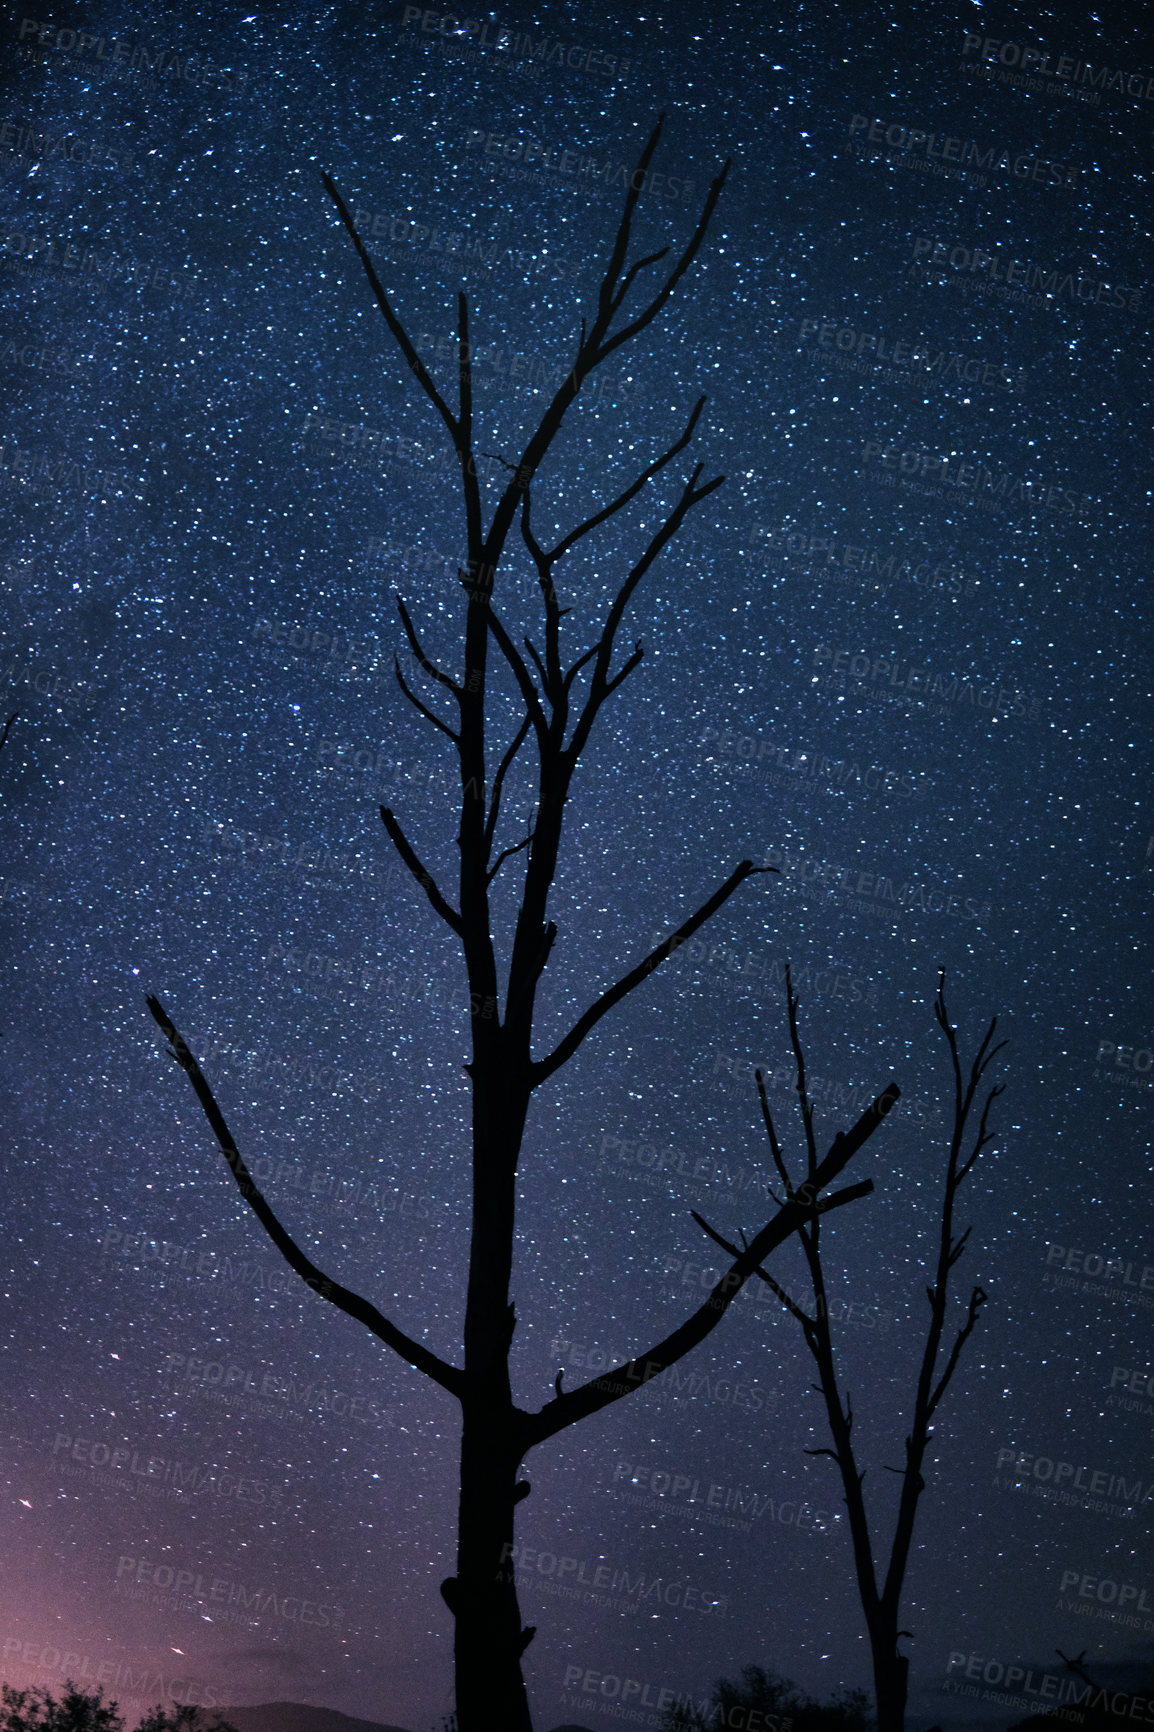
[891,1678]
[489,1640]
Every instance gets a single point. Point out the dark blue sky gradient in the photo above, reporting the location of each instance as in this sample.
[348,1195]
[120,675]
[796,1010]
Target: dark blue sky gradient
[900,654]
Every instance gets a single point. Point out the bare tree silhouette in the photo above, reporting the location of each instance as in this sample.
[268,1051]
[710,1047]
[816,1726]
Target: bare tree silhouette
[1077,1665]
[38,1710]
[559,704]
[1097,1708]
[882,1605]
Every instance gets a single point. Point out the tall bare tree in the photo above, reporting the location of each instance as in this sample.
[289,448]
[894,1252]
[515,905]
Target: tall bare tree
[560,700]
[882,1603]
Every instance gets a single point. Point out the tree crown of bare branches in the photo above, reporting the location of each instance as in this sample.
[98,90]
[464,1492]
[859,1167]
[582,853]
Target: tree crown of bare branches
[561,729]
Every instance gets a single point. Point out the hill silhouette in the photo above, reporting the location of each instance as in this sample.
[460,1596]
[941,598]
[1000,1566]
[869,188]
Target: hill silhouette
[1102,1711]
[299,1717]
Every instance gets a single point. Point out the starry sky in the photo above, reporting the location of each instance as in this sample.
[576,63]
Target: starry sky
[899,654]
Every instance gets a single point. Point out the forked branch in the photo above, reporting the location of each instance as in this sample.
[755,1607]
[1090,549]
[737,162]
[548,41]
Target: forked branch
[598,341]
[881,1604]
[567,1409]
[630,493]
[421,707]
[601,686]
[807,1322]
[977,1299]
[499,782]
[507,854]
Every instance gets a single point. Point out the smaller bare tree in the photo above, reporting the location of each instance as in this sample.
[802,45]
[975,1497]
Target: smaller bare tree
[882,1604]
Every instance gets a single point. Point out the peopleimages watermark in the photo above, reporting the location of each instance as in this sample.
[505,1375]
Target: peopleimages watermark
[879,890]
[319,651]
[343,979]
[515,45]
[50,1660]
[980,51]
[674,1381]
[603,1584]
[730,967]
[1056,1481]
[416,240]
[259,1393]
[352,765]
[958,475]
[1026,81]
[21,143]
[235,1281]
[933,152]
[901,678]
[663,1166]
[1111,1058]
[411,557]
[1135,1383]
[1051,1687]
[19,680]
[1075,1271]
[227,1601]
[1107,1591]
[45,475]
[832,1094]
[299,1069]
[437,241]
[41,357]
[342,1197]
[221,840]
[713,1503]
[93,267]
[529,371]
[121,1467]
[703,1278]
[769,757]
[827,554]
[114,53]
[594,1692]
[997,272]
[521,157]
[28,895]
[910,357]
[374,449]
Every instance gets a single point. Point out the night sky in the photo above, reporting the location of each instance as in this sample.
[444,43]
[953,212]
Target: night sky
[899,655]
